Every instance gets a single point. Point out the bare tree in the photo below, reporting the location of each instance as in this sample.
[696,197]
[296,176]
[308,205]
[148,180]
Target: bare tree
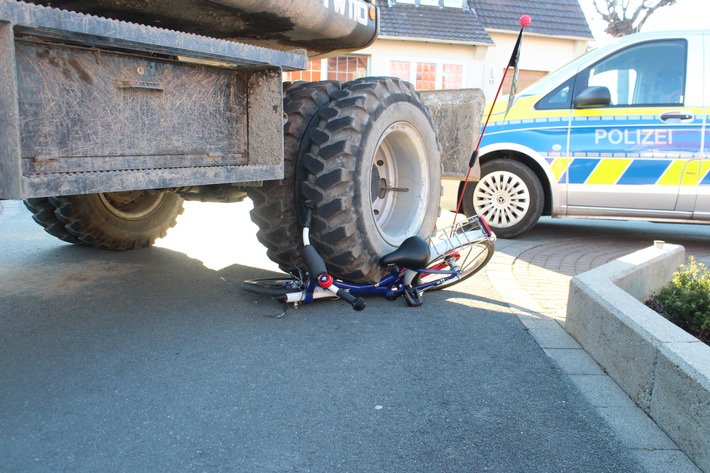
[624,17]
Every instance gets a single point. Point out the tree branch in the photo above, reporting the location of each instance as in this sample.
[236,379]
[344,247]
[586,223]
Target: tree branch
[619,22]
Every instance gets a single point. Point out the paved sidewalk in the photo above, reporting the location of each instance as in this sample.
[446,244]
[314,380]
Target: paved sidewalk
[533,272]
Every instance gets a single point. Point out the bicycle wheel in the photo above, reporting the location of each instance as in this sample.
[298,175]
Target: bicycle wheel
[273,286]
[468,258]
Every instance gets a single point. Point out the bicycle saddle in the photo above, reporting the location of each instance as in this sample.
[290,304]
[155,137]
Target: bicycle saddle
[413,253]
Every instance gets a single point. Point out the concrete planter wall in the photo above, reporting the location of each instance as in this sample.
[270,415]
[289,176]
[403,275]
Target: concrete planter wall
[662,368]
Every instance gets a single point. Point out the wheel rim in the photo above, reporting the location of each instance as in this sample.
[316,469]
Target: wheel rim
[502,198]
[132,205]
[273,286]
[469,260]
[399,188]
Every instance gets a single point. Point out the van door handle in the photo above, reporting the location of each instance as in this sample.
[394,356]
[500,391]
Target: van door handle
[677,115]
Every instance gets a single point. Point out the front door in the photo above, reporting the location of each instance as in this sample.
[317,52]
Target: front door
[631,156]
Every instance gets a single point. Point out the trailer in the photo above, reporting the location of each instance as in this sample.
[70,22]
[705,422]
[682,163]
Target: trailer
[117,111]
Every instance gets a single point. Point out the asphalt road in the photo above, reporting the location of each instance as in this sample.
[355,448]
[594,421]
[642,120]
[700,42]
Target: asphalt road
[156,360]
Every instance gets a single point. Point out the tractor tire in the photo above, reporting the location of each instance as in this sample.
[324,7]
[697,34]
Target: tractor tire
[509,196]
[43,214]
[118,220]
[374,174]
[276,210]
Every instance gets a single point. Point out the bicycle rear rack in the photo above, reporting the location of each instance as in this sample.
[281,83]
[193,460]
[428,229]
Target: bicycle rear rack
[469,232]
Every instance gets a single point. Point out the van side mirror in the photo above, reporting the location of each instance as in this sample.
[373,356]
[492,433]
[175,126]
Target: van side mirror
[595,96]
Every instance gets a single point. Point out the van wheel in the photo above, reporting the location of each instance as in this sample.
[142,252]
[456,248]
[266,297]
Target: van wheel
[509,196]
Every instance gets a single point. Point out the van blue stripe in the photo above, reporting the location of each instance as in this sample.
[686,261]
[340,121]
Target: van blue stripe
[580,169]
[644,171]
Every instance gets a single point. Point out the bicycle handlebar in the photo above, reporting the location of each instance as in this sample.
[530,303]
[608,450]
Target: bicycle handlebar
[308,217]
[314,261]
[316,266]
[358,303]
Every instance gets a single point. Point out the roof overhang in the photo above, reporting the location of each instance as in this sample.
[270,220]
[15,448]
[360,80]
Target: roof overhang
[538,35]
[431,40]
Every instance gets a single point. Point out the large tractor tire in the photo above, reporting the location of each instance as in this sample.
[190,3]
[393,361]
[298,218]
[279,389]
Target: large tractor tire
[43,213]
[374,172]
[115,220]
[509,196]
[276,204]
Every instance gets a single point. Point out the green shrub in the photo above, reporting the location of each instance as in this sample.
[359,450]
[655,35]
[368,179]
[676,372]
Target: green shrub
[685,301]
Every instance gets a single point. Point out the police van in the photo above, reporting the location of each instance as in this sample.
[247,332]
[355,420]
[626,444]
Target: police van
[621,132]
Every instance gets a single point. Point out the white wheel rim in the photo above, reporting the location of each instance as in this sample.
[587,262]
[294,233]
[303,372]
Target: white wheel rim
[502,198]
[399,183]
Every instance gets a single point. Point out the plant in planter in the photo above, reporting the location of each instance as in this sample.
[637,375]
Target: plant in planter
[685,300]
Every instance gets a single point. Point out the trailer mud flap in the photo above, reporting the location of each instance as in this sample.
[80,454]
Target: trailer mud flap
[457,116]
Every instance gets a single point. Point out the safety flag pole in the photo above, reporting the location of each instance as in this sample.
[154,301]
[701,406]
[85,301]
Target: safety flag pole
[513,63]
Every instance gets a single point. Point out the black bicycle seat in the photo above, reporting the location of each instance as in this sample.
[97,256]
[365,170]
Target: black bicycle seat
[413,253]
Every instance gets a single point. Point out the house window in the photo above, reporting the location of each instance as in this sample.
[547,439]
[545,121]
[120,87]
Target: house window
[342,68]
[312,74]
[452,77]
[453,3]
[345,68]
[429,2]
[428,74]
[401,69]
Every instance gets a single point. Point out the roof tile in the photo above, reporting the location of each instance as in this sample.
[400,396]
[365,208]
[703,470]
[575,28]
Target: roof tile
[469,24]
[431,22]
[549,17]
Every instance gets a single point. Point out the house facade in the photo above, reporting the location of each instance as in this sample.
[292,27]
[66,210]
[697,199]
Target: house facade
[452,44]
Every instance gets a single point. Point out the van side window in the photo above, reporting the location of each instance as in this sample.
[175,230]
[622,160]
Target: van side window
[646,74]
[560,98]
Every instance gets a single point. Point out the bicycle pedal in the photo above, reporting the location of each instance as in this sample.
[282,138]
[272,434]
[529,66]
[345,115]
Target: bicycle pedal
[412,297]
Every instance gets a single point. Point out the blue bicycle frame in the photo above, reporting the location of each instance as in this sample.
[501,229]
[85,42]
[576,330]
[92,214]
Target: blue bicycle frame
[439,254]
[390,287]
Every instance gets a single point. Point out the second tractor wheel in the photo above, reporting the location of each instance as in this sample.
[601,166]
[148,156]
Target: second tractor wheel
[276,203]
[118,220]
[374,173]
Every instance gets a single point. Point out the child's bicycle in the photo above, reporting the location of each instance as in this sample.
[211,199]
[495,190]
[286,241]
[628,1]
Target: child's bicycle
[444,258]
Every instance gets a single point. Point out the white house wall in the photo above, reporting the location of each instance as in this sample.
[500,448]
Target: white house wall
[385,50]
[483,65]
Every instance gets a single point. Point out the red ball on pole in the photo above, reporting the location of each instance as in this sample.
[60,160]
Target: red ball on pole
[525,21]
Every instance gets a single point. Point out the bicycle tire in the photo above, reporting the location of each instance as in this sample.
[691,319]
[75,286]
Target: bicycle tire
[273,286]
[472,258]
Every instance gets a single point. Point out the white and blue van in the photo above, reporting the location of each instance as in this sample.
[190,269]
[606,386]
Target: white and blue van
[621,132]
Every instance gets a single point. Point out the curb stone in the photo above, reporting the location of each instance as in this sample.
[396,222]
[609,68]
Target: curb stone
[647,443]
[662,368]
